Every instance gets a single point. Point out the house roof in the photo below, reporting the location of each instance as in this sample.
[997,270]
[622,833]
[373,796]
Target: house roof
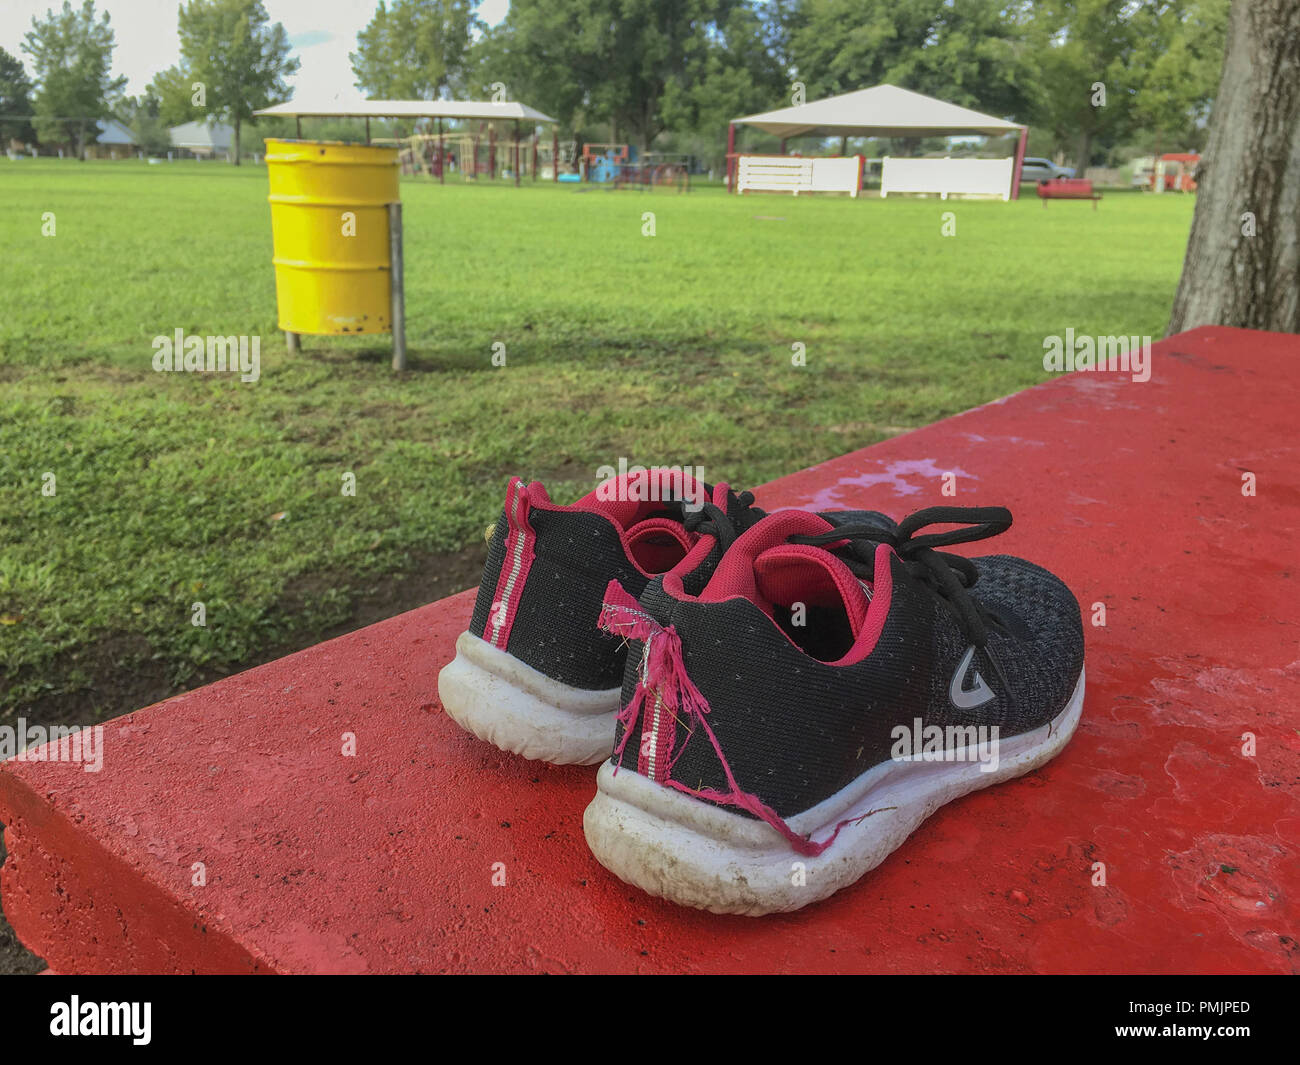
[113,131]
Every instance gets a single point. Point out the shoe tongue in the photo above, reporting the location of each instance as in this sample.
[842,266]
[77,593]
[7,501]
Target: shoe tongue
[799,573]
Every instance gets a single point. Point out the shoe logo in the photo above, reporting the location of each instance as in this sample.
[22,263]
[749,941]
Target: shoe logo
[968,698]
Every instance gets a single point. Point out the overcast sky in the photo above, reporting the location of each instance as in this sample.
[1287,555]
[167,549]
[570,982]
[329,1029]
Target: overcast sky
[321,34]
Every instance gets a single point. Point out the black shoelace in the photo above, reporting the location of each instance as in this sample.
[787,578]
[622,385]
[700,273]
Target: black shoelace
[711,520]
[949,576]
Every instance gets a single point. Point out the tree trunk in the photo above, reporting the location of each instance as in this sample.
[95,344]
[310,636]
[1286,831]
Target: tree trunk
[1243,259]
[236,159]
[1085,153]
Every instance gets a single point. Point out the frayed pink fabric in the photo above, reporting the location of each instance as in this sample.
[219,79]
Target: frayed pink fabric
[663,670]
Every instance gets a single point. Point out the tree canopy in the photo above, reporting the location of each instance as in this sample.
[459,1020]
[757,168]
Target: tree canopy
[72,55]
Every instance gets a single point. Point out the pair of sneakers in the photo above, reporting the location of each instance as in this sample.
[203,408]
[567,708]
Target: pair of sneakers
[779,699]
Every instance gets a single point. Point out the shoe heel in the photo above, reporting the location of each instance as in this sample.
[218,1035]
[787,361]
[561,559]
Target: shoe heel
[507,703]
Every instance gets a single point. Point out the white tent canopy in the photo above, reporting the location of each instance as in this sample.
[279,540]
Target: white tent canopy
[351,106]
[884,111]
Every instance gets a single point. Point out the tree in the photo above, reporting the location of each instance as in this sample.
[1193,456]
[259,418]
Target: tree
[175,92]
[415,49]
[143,115]
[1242,266]
[604,60]
[1088,64]
[728,72]
[968,52]
[15,100]
[241,59]
[72,55]
[1184,44]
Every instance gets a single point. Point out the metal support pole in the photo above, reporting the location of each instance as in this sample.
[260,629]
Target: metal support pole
[397,283]
[1020,164]
[731,156]
[442,156]
[534,154]
[516,156]
[492,152]
[367,129]
[297,121]
[291,343]
[555,154]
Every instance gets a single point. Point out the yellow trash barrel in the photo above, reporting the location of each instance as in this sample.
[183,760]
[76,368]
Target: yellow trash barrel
[329,232]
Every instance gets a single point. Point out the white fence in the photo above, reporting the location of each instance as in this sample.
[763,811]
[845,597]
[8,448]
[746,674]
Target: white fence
[948,177]
[788,173]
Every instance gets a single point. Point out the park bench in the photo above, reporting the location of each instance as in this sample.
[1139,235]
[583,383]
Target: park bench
[1068,189]
[228,832]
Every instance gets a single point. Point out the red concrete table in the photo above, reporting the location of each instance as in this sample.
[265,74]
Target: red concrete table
[384,862]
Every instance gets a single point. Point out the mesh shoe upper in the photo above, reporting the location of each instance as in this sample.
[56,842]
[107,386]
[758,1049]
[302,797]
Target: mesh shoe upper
[548,566]
[789,718]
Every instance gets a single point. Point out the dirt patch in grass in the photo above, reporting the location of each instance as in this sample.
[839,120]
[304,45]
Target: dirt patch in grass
[125,677]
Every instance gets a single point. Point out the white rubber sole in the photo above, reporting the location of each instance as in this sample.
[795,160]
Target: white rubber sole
[697,854]
[509,704]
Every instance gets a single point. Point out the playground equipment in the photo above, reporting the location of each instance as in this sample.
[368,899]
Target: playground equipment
[1175,172]
[428,152]
[336,236]
[621,166]
[601,162]
[481,152]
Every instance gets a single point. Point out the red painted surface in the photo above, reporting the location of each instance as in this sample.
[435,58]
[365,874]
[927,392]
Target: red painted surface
[1066,189]
[383,862]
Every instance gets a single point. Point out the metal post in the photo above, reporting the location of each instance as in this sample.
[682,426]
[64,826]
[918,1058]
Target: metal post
[555,154]
[367,129]
[291,342]
[516,155]
[731,153]
[397,282]
[534,154]
[1020,163]
[442,156]
[492,152]
[297,119]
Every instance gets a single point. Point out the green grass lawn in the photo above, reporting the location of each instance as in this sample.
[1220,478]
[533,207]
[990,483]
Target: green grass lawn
[673,348]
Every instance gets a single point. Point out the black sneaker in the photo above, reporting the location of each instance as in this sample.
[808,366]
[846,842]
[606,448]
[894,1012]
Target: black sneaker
[786,728]
[533,674]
